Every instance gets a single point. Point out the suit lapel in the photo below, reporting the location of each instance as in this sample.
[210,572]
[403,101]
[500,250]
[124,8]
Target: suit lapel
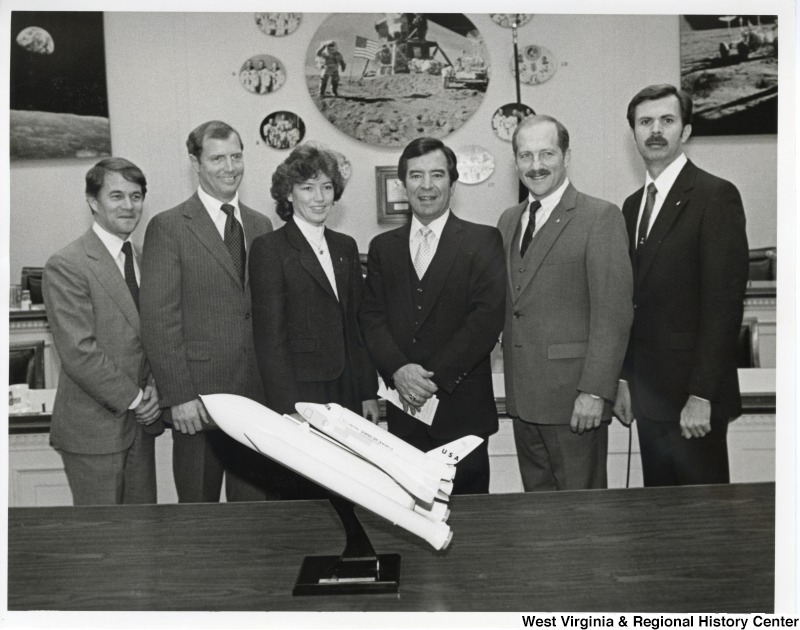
[250,233]
[308,259]
[107,273]
[341,265]
[201,225]
[548,235]
[398,260]
[509,241]
[439,269]
[677,199]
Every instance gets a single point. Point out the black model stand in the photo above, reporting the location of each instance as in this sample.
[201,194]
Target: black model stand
[359,570]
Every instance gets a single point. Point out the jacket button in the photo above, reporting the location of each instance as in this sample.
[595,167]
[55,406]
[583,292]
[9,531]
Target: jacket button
[247,315]
[414,340]
[517,287]
[517,314]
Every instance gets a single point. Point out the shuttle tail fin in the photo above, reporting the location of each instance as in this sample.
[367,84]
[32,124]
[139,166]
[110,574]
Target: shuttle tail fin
[455,451]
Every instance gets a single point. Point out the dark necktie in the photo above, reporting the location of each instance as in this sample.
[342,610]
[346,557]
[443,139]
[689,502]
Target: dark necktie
[528,236]
[130,274]
[234,240]
[641,236]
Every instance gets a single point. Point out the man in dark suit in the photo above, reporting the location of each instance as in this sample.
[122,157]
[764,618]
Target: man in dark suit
[689,250]
[568,315]
[196,317]
[432,312]
[106,414]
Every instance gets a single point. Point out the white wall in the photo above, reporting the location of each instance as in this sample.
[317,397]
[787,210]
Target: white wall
[168,72]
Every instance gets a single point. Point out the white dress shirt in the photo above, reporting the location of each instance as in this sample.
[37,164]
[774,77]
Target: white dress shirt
[214,208]
[415,238]
[315,235]
[542,214]
[663,184]
[114,244]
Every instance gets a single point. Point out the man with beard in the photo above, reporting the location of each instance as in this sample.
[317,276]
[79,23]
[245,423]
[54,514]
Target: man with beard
[689,250]
[568,314]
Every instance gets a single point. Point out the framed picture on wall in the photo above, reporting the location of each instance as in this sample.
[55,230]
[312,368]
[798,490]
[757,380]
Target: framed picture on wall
[59,102]
[729,66]
[393,204]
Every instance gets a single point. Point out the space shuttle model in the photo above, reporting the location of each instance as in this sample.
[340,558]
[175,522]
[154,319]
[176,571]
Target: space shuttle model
[352,457]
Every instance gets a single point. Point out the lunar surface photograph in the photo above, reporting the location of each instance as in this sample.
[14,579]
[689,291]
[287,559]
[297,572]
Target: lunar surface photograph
[386,78]
[729,65]
[59,103]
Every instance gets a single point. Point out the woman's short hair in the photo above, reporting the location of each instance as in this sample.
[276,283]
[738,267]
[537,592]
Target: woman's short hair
[304,162]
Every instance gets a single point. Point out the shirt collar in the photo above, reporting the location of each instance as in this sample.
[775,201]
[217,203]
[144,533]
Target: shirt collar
[668,176]
[214,205]
[112,242]
[551,201]
[313,233]
[436,226]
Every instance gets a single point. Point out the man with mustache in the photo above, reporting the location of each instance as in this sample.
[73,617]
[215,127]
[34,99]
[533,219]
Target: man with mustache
[689,250]
[568,314]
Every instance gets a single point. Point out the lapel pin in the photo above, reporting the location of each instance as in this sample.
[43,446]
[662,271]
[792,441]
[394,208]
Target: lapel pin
[558,220]
[677,203]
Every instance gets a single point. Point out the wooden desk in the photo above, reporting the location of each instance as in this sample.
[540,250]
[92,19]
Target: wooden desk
[687,549]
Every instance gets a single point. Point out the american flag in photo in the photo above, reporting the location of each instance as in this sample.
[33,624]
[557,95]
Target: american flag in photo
[366,48]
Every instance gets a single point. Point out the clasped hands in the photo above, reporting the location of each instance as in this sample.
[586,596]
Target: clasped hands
[413,383]
[148,411]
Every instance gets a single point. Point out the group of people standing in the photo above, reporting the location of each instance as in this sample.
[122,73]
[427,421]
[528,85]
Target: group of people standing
[634,314]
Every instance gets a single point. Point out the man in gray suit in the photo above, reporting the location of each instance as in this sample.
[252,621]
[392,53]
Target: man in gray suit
[106,414]
[196,318]
[568,314]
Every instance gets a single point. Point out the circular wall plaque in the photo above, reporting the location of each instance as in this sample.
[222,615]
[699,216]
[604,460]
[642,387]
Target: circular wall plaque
[387,78]
[278,24]
[262,74]
[536,64]
[475,164]
[282,130]
[345,168]
[506,20]
[506,118]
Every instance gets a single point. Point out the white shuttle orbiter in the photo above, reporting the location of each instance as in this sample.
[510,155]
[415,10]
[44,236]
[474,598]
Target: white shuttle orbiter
[354,458]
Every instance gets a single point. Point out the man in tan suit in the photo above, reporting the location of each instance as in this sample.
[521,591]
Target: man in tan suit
[196,318]
[568,314]
[106,415]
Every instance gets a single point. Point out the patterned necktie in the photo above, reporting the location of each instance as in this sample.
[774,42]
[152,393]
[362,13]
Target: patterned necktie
[641,236]
[130,274]
[528,236]
[424,252]
[234,240]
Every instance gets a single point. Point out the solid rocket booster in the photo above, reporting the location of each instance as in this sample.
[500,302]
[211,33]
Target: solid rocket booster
[294,445]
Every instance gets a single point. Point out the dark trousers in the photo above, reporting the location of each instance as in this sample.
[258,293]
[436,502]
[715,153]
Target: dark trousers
[668,459]
[200,461]
[552,457]
[472,472]
[127,476]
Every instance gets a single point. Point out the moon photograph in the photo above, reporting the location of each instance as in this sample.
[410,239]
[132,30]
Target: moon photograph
[59,102]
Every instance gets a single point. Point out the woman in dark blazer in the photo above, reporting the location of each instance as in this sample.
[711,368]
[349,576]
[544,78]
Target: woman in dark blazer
[306,287]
